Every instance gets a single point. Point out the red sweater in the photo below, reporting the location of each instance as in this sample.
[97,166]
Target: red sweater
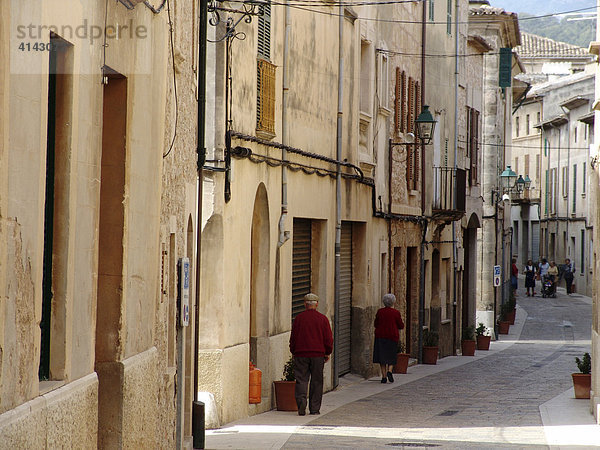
[311,335]
[387,323]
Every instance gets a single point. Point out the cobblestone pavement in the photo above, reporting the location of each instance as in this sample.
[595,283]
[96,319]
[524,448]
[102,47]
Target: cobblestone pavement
[476,405]
[491,402]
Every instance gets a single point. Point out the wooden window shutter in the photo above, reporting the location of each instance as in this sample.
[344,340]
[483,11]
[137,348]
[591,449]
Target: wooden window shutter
[411,105]
[404,125]
[474,144]
[418,106]
[409,167]
[417,161]
[397,102]
[264,31]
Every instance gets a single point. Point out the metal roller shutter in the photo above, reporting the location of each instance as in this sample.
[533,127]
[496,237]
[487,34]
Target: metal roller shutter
[301,267]
[535,241]
[345,323]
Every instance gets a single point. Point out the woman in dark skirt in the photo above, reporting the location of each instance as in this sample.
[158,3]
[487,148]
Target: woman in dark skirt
[530,277]
[387,323]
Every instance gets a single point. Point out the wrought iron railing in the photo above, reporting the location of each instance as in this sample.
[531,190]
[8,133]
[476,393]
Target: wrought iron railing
[449,183]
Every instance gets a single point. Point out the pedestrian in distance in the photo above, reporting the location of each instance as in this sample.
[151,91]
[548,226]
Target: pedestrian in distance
[387,323]
[514,275]
[569,272]
[530,277]
[542,270]
[553,271]
[311,344]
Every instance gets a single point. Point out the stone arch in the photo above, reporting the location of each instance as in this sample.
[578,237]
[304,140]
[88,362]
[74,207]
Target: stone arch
[259,279]
[474,221]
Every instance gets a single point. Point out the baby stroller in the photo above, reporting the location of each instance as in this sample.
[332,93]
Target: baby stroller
[548,286]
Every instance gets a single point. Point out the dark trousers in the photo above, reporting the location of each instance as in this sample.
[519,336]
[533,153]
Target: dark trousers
[305,369]
[569,282]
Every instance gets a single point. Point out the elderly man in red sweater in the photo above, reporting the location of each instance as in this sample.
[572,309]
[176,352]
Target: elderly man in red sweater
[311,343]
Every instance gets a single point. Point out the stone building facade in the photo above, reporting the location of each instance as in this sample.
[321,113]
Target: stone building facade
[500,29]
[594,207]
[85,351]
[270,209]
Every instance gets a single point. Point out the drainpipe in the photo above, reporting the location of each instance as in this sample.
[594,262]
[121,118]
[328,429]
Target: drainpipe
[455,199]
[283,235]
[197,407]
[423,209]
[338,195]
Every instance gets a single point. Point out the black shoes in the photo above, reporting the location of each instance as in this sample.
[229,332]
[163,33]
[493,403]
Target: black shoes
[383,380]
[314,413]
[302,407]
[390,377]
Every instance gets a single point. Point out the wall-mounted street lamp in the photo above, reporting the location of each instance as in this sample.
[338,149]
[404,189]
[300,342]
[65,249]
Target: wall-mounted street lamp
[510,182]
[508,178]
[520,184]
[425,125]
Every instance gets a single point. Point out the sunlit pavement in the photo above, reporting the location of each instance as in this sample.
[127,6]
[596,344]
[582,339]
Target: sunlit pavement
[517,395]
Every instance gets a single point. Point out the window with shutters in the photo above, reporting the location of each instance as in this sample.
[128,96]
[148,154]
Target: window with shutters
[565,181]
[400,103]
[413,105]
[431,10]
[526,168]
[574,210]
[473,143]
[383,81]
[583,179]
[265,100]
[265,86]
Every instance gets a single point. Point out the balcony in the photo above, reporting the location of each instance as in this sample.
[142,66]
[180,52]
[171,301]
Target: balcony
[449,193]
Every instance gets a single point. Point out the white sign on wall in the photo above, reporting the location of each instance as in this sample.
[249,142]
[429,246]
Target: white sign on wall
[497,274]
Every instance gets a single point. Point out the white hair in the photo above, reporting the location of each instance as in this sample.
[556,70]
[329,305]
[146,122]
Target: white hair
[389,299]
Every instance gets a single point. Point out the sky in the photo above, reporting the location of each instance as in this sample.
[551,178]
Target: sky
[538,7]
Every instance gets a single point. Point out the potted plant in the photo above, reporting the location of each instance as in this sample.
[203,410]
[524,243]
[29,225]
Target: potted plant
[402,358]
[582,381]
[467,344]
[483,340]
[285,388]
[430,346]
[503,323]
[511,308]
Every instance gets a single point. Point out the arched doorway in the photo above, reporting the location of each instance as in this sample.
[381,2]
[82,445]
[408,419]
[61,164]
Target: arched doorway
[469,286]
[259,284]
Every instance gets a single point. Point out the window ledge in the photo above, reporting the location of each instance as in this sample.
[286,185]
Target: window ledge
[264,134]
[385,111]
[446,321]
[50,385]
[413,192]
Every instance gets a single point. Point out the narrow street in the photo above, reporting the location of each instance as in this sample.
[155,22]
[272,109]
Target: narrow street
[519,394]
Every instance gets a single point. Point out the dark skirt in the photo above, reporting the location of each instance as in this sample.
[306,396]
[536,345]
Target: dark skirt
[384,351]
[529,280]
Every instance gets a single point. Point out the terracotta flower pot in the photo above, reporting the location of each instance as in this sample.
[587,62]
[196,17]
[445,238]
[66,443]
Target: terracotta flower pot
[582,383]
[468,348]
[284,395]
[401,363]
[483,342]
[430,355]
[511,316]
[503,327]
